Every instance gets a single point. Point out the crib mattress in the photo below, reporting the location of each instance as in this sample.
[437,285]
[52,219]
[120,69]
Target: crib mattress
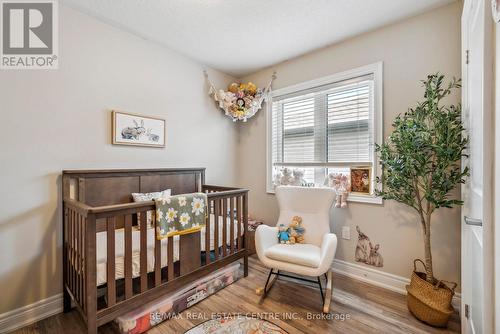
[101,249]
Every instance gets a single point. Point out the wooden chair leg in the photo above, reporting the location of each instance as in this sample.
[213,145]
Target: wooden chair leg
[263,291]
[328,297]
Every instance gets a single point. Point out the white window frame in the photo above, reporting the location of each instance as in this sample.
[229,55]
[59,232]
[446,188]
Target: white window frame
[376,69]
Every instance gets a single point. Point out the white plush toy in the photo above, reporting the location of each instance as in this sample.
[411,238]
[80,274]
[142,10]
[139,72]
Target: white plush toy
[226,99]
[286,177]
[298,178]
[277,179]
[330,180]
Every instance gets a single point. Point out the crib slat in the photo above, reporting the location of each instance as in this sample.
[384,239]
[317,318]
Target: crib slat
[245,220]
[231,233]
[80,259]
[84,288]
[157,255]
[66,244]
[90,271]
[128,257]
[224,227]
[207,232]
[238,226]
[77,258]
[72,249]
[170,258]
[216,228]
[75,253]
[110,262]
[189,252]
[144,251]
[245,235]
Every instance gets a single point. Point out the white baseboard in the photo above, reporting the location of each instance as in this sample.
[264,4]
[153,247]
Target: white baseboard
[30,314]
[378,278]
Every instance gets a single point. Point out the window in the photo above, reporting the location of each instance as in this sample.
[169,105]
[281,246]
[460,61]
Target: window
[326,125]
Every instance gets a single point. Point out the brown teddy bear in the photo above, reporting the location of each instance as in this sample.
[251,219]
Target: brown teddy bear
[296,231]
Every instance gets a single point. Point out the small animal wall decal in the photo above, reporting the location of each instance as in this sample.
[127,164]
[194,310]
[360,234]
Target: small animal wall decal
[366,252]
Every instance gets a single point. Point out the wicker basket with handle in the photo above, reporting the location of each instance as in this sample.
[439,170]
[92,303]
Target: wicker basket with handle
[430,303]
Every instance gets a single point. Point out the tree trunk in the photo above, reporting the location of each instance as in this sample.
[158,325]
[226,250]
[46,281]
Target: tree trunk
[428,254]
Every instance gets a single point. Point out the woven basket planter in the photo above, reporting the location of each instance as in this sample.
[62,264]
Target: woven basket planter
[430,303]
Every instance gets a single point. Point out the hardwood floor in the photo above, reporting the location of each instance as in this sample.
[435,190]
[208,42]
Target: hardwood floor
[356,308]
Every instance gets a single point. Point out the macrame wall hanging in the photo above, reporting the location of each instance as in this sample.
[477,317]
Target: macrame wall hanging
[241,101]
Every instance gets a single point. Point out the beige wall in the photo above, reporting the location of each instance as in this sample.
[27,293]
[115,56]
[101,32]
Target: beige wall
[410,50]
[60,119]
[54,120]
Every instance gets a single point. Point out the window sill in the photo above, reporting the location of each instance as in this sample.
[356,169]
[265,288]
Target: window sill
[371,199]
[356,198]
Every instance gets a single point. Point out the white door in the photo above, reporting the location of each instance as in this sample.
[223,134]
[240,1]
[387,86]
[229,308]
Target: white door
[477,252]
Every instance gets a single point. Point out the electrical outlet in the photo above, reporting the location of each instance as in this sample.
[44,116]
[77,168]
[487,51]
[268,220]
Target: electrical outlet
[346,232]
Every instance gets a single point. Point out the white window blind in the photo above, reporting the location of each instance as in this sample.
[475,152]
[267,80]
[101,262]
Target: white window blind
[324,129]
[350,130]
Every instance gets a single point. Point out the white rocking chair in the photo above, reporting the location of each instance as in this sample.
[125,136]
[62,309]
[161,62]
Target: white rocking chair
[312,258]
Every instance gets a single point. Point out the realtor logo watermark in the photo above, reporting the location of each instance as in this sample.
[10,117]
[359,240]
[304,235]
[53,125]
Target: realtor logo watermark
[29,34]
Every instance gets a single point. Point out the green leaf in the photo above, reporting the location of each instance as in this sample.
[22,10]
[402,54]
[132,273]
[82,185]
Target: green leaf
[423,153]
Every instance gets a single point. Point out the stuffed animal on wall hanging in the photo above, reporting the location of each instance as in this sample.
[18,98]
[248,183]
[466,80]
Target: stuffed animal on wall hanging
[241,100]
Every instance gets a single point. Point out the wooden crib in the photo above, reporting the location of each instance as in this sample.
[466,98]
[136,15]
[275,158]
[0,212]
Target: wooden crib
[97,201]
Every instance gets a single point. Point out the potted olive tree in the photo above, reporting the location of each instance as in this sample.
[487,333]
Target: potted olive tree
[421,167]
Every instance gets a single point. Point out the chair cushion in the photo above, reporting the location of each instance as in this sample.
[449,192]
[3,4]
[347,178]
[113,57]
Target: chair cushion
[301,254]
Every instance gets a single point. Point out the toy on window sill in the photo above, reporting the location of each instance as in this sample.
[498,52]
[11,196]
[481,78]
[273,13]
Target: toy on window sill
[298,178]
[289,177]
[286,177]
[296,231]
[342,186]
[283,236]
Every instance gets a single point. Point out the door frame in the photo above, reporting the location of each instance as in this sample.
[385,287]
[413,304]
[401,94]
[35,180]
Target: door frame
[488,168]
[497,178]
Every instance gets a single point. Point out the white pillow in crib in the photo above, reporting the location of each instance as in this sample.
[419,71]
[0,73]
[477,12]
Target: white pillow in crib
[144,197]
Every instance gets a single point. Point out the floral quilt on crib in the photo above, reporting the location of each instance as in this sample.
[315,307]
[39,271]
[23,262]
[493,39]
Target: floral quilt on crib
[180,214]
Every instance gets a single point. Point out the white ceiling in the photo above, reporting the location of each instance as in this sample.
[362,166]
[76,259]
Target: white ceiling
[241,36]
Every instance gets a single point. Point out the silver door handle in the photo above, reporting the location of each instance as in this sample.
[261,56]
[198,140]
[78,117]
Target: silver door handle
[473,221]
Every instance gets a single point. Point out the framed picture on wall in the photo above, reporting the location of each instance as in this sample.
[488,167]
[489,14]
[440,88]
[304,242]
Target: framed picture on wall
[361,180]
[137,130]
